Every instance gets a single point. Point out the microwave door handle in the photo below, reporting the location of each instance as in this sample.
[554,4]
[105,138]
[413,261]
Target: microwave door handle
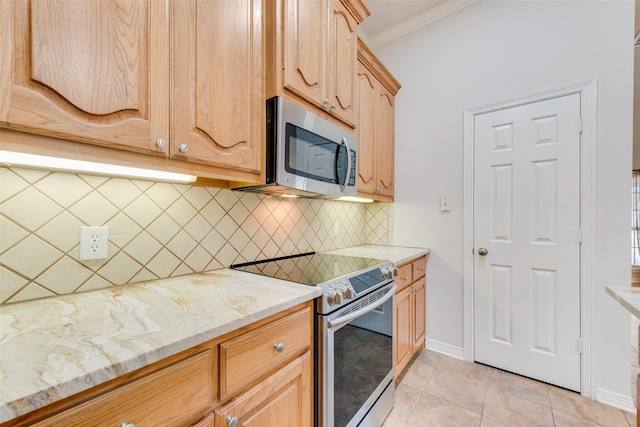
[347,169]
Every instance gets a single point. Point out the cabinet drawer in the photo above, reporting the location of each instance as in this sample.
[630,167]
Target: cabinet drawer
[250,356]
[419,267]
[405,276]
[173,396]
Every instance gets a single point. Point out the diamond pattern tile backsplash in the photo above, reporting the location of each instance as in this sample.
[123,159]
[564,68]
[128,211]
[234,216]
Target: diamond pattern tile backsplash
[156,230]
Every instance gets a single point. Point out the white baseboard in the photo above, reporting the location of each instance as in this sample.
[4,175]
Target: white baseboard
[444,348]
[620,401]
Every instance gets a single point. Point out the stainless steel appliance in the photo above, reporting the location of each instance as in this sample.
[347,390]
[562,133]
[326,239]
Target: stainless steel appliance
[354,340]
[306,155]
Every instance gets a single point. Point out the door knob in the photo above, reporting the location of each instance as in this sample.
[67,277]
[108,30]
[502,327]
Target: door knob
[482,251]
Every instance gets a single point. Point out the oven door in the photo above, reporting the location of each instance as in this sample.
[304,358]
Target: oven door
[358,354]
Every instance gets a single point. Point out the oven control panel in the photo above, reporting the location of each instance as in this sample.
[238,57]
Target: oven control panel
[340,292]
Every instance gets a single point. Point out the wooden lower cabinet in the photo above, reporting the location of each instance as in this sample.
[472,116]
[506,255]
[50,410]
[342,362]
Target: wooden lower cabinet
[269,365]
[207,422]
[175,395]
[411,300]
[280,400]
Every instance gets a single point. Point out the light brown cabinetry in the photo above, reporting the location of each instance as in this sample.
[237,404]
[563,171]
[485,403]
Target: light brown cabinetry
[313,55]
[176,395]
[280,400]
[411,299]
[376,89]
[177,79]
[260,374]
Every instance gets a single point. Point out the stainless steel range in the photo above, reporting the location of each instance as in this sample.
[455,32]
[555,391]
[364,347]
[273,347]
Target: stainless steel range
[354,340]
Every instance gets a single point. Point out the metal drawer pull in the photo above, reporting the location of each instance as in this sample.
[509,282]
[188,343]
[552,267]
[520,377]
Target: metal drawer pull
[232,421]
[405,278]
[421,268]
[279,346]
[126,424]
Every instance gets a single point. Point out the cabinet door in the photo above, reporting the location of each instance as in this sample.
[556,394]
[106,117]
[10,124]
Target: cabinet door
[305,49]
[385,134]
[342,51]
[176,395]
[217,104]
[366,130]
[283,399]
[92,71]
[206,422]
[404,337]
[419,311]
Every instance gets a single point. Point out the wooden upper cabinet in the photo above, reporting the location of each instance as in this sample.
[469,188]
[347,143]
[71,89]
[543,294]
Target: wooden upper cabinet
[305,49]
[314,53]
[367,97]
[217,105]
[385,135]
[182,79]
[91,71]
[375,126]
[343,53]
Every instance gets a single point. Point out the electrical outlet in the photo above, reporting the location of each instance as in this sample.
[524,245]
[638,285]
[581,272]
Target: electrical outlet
[94,243]
[445,206]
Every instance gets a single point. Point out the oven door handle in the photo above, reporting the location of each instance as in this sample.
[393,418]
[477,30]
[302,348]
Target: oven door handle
[341,321]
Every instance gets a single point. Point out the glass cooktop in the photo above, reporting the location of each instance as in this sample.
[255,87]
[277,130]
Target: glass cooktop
[310,268]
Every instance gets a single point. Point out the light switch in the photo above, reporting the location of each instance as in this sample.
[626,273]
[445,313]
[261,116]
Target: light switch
[444,204]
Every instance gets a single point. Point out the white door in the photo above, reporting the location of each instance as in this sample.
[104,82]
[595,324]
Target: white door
[527,225]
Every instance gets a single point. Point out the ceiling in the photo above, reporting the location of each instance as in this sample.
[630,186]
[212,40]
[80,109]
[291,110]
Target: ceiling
[391,19]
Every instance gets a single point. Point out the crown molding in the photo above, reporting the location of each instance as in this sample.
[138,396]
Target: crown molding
[425,18]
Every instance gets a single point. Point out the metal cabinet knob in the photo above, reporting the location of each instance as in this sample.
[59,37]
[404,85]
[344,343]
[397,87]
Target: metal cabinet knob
[482,251]
[421,268]
[405,278]
[183,148]
[333,106]
[126,424]
[161,143]
[232,421]
[326,101]
[279,346]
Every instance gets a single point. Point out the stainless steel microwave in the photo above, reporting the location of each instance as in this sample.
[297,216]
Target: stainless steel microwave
[306,155]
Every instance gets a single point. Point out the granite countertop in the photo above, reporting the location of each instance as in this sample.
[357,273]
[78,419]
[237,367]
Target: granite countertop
[56,347]
[627,296]
[396,254]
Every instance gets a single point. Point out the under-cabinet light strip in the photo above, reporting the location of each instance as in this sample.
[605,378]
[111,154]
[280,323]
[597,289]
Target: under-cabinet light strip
[10,158]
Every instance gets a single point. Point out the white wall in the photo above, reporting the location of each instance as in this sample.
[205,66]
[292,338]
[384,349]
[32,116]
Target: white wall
[496,50]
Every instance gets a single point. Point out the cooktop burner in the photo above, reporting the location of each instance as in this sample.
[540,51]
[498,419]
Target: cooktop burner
[309,268]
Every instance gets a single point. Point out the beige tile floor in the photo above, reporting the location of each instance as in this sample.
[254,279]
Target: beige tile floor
[438,390]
